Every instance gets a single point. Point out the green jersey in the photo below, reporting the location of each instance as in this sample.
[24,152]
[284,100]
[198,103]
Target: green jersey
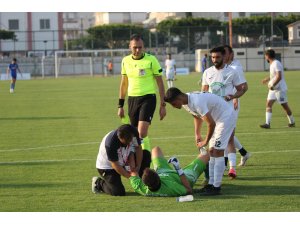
[171,184]
[141,74]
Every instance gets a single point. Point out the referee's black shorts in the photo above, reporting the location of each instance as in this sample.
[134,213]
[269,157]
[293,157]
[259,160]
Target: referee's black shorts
[141,108]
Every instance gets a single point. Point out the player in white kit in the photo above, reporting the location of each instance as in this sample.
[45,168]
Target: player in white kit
[221,80]
[277,90]
[220,121]
[235,64]
[170,66]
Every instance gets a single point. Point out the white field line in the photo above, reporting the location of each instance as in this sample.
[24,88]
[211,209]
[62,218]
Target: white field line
[70,160]
[153,138]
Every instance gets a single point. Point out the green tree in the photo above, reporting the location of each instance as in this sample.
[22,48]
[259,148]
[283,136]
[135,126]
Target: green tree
[114,36]
[6,35]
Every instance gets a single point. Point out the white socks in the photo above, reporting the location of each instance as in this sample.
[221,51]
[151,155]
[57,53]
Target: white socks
[291,119]
[237,143]
[211,164]
[232,160]
[268,117]
[170,83]
[219,171]
[216,170]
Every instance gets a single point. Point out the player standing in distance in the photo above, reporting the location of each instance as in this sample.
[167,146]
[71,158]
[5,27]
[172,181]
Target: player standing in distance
[13,68]
[277,90]
[119,149]
[235,64]
[221,79]
[170,66]
[164,181]
[220,120]
[140,74]
[204,63]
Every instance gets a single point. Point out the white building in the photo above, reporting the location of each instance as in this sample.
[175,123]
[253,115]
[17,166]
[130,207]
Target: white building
[102,18]
[75,24]
[294,33]
[36,31]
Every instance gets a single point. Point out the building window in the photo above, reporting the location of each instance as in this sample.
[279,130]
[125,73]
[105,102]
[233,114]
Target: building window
[240,53]
[260,53]
[242,14]
[13,24]
[297,51]
[298,34]
[226,14]
[44,24]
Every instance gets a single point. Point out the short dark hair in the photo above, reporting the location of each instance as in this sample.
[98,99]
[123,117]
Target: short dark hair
[218,49]
[270,53]
[126,132]
[151,179]
[171,94]
[136,37]
[14,59]
[229,48]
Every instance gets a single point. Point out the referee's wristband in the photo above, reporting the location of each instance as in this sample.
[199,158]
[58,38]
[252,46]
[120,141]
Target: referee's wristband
[180,172]
[121,103]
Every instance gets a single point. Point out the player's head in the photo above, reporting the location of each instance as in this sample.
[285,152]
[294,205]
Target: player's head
[151,179]
[136,46]
[217,56]
[228,53]
[205,55]
[169,56]
[14,60]
[270,55]
[125,134]
[175,97]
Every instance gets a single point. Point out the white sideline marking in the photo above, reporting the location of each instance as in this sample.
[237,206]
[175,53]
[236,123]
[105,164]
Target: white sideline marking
[70,160]
[154,138]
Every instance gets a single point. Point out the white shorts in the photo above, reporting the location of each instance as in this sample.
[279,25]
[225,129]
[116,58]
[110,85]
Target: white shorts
[279,96]
[222,133]
[170,75]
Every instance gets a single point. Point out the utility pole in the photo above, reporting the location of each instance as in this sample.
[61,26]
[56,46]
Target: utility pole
[230,28]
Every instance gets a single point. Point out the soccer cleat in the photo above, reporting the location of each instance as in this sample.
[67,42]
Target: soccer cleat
[292,125]
[232,174]
[95,188]
[244,159]
[265,126]
[212,191]
[204,189]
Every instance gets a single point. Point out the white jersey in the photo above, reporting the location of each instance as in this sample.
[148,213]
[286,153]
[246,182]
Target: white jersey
[235,64]
[170,65]
[275,67]
[200,103]
[221,82]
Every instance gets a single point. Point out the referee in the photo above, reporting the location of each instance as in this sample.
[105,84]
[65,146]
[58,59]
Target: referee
[140,74]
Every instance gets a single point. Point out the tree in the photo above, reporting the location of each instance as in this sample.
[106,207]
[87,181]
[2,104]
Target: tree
[6,35]
[114,36]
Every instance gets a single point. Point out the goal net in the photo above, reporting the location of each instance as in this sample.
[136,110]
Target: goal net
[89,62]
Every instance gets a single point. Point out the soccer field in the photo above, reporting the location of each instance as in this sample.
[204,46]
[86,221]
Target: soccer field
[51,130]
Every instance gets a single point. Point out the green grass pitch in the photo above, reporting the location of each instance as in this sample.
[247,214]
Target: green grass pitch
[51,130]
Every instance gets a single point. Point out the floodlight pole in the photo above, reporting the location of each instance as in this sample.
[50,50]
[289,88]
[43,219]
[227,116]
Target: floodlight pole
[230,28]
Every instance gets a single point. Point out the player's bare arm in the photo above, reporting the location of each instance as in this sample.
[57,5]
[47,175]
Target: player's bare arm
[139,157]
[240,90]
[161,89]
[265,80]
[210,129]
[205,88]
[186,184]
[122,95]
[277,79]
[197,125]
[120,170]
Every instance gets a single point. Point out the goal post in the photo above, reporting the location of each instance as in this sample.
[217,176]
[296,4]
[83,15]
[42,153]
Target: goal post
[88,62]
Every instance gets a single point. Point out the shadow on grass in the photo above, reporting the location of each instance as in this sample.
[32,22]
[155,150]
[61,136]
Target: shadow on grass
[42,118]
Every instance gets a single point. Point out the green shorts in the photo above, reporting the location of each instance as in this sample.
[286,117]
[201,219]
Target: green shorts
[191,171]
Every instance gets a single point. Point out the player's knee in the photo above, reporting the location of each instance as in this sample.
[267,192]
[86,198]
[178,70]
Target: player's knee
[156,152]
[118,191]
